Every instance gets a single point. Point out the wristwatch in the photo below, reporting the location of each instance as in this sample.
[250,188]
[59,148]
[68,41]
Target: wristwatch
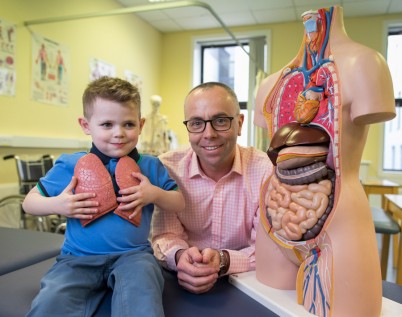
[223,265]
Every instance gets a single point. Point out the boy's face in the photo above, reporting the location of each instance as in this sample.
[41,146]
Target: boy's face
[114,127]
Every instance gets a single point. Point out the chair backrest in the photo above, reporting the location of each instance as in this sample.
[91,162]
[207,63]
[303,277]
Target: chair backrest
[30,171]
[10,211]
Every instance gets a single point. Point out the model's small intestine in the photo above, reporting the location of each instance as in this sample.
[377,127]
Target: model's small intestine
[295,211]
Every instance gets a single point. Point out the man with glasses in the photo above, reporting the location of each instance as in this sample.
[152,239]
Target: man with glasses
[221,182]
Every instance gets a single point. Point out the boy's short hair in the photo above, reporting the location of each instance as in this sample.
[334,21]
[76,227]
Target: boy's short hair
[113,89]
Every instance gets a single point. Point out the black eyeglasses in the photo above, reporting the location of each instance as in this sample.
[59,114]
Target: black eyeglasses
[199,125]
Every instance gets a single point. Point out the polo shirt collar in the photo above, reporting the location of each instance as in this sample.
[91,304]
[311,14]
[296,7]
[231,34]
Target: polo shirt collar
[105,159]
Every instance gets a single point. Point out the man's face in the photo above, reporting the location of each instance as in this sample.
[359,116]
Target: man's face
[215,149]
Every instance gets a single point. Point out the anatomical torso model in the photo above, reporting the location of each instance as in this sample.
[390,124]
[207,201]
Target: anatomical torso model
[316,233]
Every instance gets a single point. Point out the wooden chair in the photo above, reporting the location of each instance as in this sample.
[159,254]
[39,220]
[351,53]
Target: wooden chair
[384,224]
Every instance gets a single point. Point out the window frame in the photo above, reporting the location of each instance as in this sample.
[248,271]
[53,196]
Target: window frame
[198,41]
[398,103]
[224,38]
[391,175]
[203,46]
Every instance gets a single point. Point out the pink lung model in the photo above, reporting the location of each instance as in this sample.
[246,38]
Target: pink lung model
[125,167]
[316,233]
[94,178]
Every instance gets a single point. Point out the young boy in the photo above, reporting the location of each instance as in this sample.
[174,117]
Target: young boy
[111,250]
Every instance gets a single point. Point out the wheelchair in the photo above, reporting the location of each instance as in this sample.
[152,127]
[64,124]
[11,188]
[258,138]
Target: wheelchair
[29,172]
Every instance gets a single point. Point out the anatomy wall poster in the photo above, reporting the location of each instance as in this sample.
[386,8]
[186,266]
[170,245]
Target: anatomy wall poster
[133,79]
[99,68]
[7,58]
[50,71]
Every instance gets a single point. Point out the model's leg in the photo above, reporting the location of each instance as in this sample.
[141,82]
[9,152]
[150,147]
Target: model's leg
[273,267]
[137,283]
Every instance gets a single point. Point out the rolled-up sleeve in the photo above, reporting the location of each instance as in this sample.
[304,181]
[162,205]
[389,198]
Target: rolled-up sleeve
[167,237]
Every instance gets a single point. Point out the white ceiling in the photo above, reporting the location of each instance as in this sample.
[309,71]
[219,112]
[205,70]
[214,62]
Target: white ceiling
[251,12]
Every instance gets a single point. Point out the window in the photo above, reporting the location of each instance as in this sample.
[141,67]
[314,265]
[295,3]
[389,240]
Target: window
[392,153]
[222,59]
[228,64]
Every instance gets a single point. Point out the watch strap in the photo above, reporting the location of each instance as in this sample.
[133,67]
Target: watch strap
[223,262]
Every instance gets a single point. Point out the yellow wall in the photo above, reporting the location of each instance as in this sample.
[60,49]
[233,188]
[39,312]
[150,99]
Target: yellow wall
[285,42]
[124,41]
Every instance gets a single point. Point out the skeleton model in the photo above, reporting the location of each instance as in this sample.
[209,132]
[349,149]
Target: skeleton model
[154,136]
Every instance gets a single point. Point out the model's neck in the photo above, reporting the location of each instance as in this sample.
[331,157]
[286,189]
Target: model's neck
[338,32]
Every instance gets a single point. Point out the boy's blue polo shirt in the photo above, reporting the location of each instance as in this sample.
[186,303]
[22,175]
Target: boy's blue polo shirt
[110,233]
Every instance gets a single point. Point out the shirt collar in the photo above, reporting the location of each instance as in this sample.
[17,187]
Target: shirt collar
[195,168]
[237,164]
[105,159]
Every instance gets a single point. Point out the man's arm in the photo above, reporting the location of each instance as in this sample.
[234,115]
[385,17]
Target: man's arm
[197,270]
[167,237]
[242,260]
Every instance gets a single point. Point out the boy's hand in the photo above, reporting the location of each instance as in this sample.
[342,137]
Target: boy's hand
[75,205]
[136,197]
